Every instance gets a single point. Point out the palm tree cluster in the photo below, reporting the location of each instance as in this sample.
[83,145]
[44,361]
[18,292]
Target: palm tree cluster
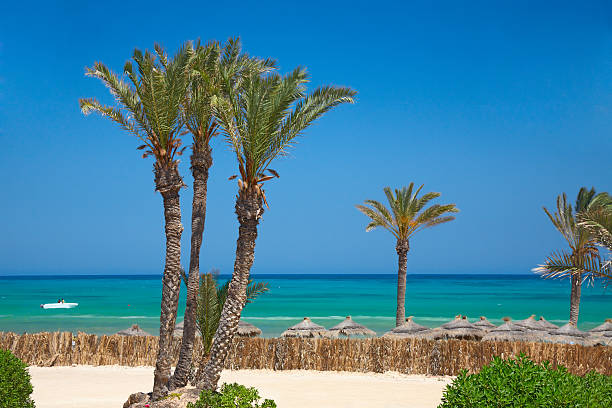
[213,89]
[206,90]
[586,228]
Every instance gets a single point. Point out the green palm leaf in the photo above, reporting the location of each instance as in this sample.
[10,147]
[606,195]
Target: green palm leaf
[407,212]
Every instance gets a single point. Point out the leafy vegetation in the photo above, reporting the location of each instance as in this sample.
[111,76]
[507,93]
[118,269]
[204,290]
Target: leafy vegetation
[522,383]
[15,385]
[211,298]
[232,396]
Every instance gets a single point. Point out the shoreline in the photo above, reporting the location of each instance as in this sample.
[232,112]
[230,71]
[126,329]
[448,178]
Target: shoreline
[109,386]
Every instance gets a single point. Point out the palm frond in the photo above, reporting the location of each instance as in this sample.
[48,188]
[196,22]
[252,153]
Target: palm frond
[254,289]
[562,264]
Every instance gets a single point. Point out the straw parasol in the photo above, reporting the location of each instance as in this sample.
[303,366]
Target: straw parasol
[348,328]
[484,324]
[410,329]
[459,328]
[247,330]
[568,334]
[531,324]
[508,331]
[605,327]
[546,324]
[133,331]
[305,328]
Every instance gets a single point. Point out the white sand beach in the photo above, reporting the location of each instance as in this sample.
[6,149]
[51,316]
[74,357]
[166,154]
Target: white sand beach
[109,387]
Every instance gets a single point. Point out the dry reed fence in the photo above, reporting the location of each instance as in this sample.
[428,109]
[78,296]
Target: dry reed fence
[410,356]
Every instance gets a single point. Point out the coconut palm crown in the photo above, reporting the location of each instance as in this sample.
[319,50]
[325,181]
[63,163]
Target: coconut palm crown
[407,214]
[591,226]
[261,118]
[148,105]
[262,121]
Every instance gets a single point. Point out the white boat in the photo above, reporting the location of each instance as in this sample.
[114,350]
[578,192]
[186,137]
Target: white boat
[59,305]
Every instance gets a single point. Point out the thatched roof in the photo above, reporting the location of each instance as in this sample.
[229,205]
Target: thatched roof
[531,324]
[305,328]
[605,327]
[546,324]
[568,330]
[508,331]
[460,328]
[133,331]
[484,324]
[409,327]
[178,330]
[348,328]
[247,329]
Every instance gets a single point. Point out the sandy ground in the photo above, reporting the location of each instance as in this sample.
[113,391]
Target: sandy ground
[109,387]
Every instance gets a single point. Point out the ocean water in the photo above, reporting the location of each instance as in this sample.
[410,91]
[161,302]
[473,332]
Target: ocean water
[108,304]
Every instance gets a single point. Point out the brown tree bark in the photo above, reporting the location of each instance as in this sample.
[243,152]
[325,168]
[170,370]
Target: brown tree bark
[201,161]
[249,209]
[168,182]
[576,282]
[402,249]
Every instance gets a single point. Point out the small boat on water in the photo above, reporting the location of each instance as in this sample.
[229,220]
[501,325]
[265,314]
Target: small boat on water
[59,305]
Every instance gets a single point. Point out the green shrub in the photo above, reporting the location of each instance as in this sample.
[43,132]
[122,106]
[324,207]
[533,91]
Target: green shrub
[231,396]
[15,386]
[522,383]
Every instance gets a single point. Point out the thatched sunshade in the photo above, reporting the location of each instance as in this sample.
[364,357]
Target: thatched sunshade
[484,324]
[348,328]
[133,331]
[459,328]
[508,331]
[546,324]
[531,324]
[247,330]
[305,328]
[605,327]
[568,334]
[410,329]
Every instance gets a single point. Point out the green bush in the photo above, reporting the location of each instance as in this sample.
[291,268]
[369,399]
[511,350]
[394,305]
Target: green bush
[522,383]
[15,386]
[231,396]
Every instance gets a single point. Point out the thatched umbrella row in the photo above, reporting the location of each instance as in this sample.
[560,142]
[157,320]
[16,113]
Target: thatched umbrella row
[528,329]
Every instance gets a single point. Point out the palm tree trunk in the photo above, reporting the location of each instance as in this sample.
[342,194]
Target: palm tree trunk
[402,249]
[168,182]
[201,160]
[575,298]
[249,209]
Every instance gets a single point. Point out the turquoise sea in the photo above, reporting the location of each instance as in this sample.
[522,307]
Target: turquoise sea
[111,303]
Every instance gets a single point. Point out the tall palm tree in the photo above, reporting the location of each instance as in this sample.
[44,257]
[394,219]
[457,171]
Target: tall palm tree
[406,215]
[211,64]
[596,220]
[148,106]
[583,255]
[261,120]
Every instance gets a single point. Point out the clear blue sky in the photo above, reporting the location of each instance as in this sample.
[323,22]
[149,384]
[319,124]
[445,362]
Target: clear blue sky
[498,105]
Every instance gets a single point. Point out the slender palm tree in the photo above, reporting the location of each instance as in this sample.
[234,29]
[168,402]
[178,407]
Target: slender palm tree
[406,215]
[583,255]
[261,120]
[148,106]
[596,220]
[211,64]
